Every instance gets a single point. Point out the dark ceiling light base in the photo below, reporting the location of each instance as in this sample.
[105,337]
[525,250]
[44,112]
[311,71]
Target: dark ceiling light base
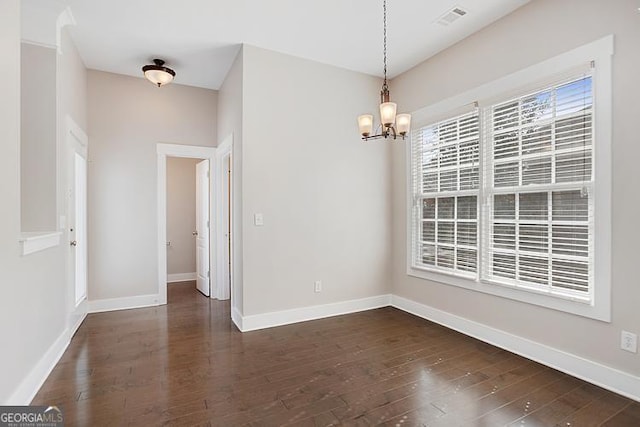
[158,74]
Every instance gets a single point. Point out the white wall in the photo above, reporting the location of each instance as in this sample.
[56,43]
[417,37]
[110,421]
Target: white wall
[38,138]
[230,116]
[33,295]
[181,215]
[325,195]
[533,33]
[128,116]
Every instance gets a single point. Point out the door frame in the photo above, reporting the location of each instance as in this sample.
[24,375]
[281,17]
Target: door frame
[76,141]
[224,151]
[185,151]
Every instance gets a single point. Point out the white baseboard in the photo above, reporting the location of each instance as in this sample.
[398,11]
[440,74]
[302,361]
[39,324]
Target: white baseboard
[29,386]
[604,376]
[181,277]
[111,304]
[76,325]
[236,317]
[285,317]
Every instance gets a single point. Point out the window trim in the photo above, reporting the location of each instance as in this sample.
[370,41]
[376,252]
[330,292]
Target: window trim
[601,52]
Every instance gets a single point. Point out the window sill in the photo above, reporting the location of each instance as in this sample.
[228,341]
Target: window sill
[600,312]
[38,241]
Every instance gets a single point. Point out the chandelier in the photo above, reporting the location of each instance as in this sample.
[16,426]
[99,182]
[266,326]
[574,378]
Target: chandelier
[392,125]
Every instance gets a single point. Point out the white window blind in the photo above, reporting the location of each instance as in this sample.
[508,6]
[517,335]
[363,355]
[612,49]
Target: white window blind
[538,188]
[504,194]
[446,182]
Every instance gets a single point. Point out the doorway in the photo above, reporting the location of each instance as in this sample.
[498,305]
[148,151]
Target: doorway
[76,223]
[208,233]
[188,237]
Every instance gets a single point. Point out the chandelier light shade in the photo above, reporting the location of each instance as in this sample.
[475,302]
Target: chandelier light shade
[403,123]
[365,124]
[392,125]
[158,74]
[388,113]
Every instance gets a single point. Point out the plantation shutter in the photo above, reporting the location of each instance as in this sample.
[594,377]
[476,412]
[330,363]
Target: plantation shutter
[538,190]
[445,182]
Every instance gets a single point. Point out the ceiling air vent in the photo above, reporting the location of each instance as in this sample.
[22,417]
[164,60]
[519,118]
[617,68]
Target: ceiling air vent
[451,16]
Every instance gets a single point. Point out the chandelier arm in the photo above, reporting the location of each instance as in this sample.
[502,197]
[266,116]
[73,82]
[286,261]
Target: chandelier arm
[385,132]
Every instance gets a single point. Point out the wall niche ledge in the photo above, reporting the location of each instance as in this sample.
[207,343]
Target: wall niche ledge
[36,241]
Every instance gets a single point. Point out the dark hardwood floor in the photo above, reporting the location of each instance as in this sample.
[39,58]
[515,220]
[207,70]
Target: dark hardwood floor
[186,364]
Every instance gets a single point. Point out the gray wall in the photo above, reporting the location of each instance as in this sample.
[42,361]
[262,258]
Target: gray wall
[128,117]
[535,32]
[38,138]
[325,195]
[181,215]
[34,291]
[230,116]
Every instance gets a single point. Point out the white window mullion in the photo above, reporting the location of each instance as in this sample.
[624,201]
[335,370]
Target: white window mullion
[436,222]
[482,201]
[550,239]
[554,156]
[517,236]
[455,231]
[519,130]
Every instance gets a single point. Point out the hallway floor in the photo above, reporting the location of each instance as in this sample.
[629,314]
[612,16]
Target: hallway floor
[186,364]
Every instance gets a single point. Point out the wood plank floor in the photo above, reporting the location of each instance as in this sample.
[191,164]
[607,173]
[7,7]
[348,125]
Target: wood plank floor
[186,364]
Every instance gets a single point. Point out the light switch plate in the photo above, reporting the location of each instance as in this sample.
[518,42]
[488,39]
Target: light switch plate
[258,220]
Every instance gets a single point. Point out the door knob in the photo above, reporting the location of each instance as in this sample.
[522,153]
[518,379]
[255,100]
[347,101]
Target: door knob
[73,243]
[195,233]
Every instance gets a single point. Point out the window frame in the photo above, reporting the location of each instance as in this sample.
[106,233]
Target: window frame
[514,85]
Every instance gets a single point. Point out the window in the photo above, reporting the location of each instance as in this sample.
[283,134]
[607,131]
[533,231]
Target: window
[510,194]
[539,221]
[448,183]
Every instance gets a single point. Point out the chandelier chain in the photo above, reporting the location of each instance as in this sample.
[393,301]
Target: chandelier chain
[384,25]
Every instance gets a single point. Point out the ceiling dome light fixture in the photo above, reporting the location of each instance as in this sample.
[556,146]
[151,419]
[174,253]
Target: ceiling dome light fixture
[392,125]
[158,74]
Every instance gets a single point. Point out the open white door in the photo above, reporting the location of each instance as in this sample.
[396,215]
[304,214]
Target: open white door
[226,221]
[203,282]
[77,223]
[80,230]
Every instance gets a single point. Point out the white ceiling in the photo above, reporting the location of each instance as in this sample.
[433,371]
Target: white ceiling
[200,38]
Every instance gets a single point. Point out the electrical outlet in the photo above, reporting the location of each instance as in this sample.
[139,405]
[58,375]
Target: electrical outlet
[629,341]
[317,286]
